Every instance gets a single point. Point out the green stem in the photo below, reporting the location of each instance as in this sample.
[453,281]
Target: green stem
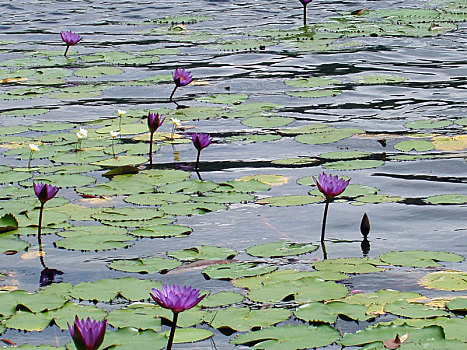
[39,228]
[323,227]
[172,94]
[29,161]
[66,50]
[304,15]
[172,331]
[113,148]
[197,161]
[150,149]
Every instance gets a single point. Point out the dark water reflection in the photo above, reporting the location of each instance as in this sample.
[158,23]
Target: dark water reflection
[436,87]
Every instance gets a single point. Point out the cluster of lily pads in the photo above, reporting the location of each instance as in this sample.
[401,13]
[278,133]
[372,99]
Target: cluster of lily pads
[307,304]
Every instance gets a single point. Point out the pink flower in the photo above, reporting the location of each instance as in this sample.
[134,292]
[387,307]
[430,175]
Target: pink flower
[45,192]
[176,298]
[331,186]
[182,77]
[87,334]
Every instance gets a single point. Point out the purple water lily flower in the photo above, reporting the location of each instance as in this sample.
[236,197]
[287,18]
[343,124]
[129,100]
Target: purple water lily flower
[70,39]
[177,299]
[45,192]
[87,334]
[330,186]
[200,141]
[154,123]
[304,3]
[182,77]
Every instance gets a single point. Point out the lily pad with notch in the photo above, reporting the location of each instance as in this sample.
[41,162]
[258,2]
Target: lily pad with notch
[281,249]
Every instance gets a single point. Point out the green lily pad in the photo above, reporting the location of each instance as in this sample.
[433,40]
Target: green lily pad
[190,335]
[447,199]
[428,124]
[253,138]
[8,222]
[457,305]
[351,265]
[315,93]
[327,136]
[224,98]
[204,252]
[141,318]
[279,249]
[344,155]
[186,209]
[95,242]
[225,198]
[354,164]
[328,313]
[157,198]
[243,319]
[413,310]
[125,214]
[289,337]
[380,79]
[383,333]
[285,201]
[221,299]
[121,161]
[12,244]
[162,231]
[313,82]
[419,258]
[295,161]
[445,280]
[106,290]
[267,122]
[97,71]
[130,338]
[146,265]
[378,198]
[417,145]
[303,290]
[237,270]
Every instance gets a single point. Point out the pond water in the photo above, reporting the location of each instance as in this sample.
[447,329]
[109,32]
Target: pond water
[390,87]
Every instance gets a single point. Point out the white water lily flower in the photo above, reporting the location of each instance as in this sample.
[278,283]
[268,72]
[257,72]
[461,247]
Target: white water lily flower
[33,147]
[82,134]
[121,112]
[114,134]
[176,122]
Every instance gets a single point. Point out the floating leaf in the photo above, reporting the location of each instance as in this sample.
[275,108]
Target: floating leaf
[289,337]
[97,71]
[145,265]
[136,317]
[328,313]
[295,161]
[279,249]
[95,242]
[447,199]
[121,161]
[354,164]
[428,124]
[224,98]
[243,319]
[453,143]
[315,93]
[351,265]
[267,122]
[285,201]
[378,198]
[237,270]
[380,79]
[413,310]
[221,299]
[445,280]
[8,222]
[327,136]
[417,145]
[313,82]
[273,180]
[204,252]
[162,231]
[419,258]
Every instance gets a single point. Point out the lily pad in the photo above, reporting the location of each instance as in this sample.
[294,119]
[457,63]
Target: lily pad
[447,199]
[237,270]
[351,265]
[327,136]
[445,280]
[419,258]
[417,145]
[357,164]
[285,201]
[279,249]
[145,265]
[428,124]
[204,252]
[224,98]
[267,122]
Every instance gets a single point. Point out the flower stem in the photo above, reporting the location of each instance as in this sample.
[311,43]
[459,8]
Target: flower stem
[66,50]
[113,148]
[197,161]
[172,95]
[39,228]
[173,131]
[120,125]
[172,331]
[304,15]
[29,161]
[323,227]
[150,149]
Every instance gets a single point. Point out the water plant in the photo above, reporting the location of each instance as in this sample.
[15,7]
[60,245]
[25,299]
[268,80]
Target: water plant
[330,186]
[44,193]
[304,3]
[87,334]
[81,135]
[200,141]
[113,136]
[33,148]
[177,299]
[176,123]
[70,39]
[154,123]
[120,113]
[181,77]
